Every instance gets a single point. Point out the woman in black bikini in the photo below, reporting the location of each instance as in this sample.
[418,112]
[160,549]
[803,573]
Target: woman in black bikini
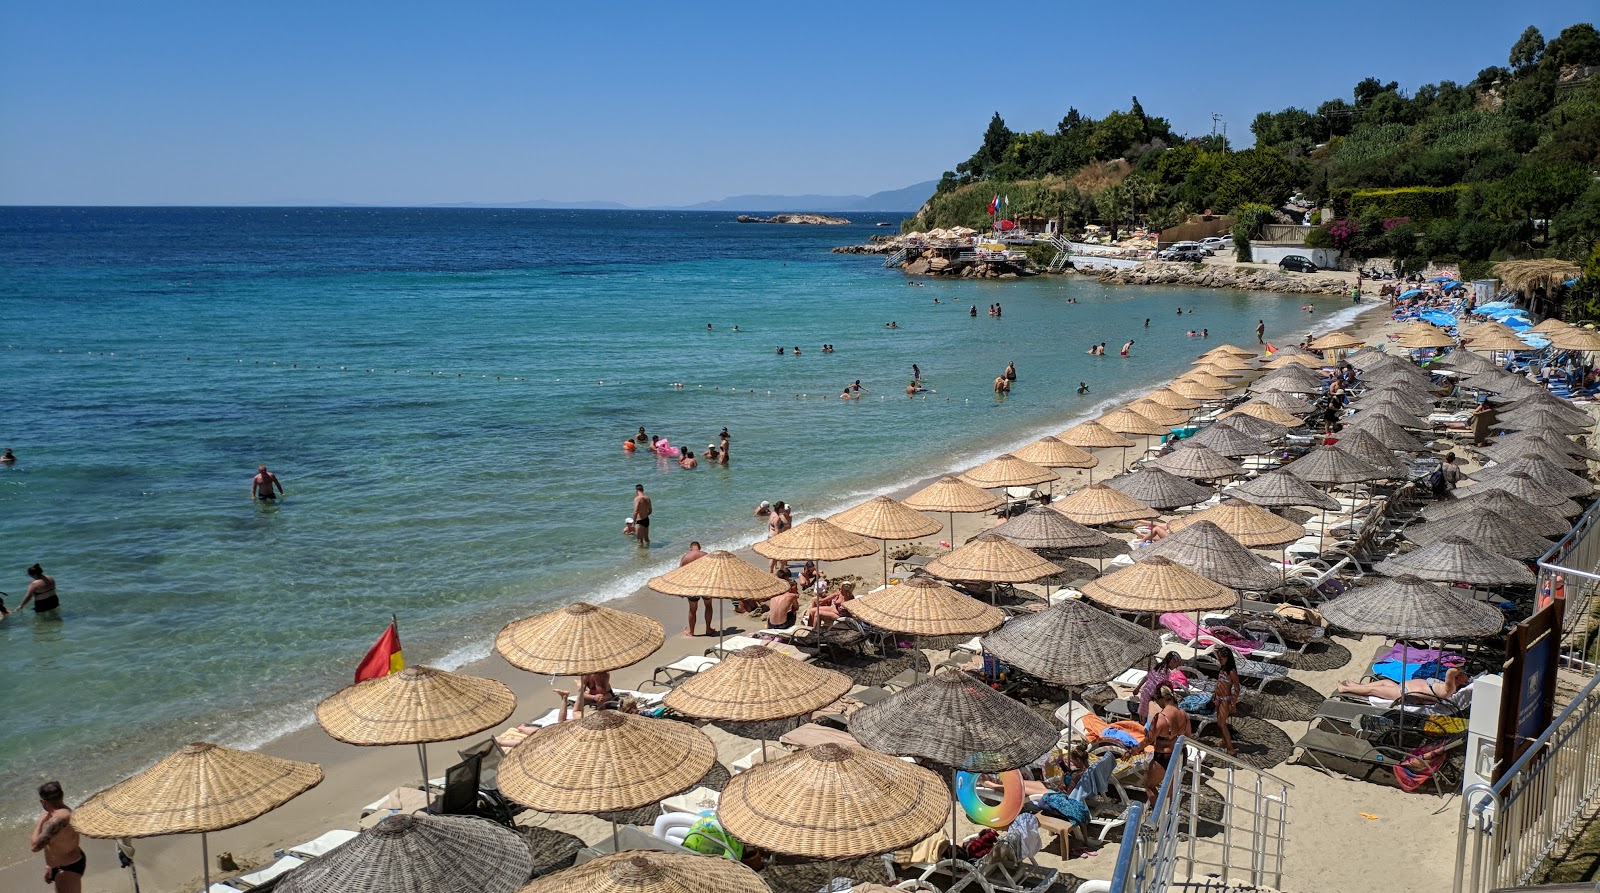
[42,592]
[1167,725]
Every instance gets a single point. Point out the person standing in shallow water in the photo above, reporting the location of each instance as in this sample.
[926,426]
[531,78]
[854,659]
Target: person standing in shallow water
[42,592]
[642,508]
[263,484]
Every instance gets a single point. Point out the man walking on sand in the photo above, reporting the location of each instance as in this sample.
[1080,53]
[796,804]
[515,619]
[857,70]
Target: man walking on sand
[695,554]
[63,859]
[641,515]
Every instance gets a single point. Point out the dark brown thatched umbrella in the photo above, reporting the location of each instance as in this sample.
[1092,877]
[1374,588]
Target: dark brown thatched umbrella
[1331,465]
[1455,560]
[1536,519]
[1071,643]
[955,720]
[1522,485]
[1399,416]
[1287,401]
[1280,488]
[1364,446]
[1561,450]
[1484,529]
[412,853]
[1384,428]
[1465,362]
[1203,548]
[1261,429]
[1159,489]
[1158,586]
[1295,379]
[1197,461]
[1545,472]
[1042,529]
[1539,418]
[1409,607]
[1226,440]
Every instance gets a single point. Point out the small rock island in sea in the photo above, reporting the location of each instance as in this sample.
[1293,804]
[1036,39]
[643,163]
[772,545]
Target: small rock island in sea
[814,219]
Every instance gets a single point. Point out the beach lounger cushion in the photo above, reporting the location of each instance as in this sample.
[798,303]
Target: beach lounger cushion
[323,845]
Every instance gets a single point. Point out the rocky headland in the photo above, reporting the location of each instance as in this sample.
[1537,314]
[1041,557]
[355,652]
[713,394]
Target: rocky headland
[810,219]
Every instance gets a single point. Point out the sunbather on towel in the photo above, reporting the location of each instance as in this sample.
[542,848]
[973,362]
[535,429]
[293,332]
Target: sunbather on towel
[1452,682]
[1062,771]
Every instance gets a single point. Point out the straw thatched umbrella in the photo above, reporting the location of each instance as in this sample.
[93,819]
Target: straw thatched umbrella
[1396,375]
[923,606]
[1204,380]
[1576,339]
[724,576]
[1541,418]
[1281,360]
[1251,525]
[1203,548]
[1265,412]
[1549,326]
[1543,404]
[1522,485]
[1259,428]
[1234,349]
[1484,529]
[605,761]
[417,705]
[1536,519]
[884,519]
[419,854]
[757,684]
[1099,504]
[1198,461]
[578,639]
[1455,560]
[814,540]
[1222,361]
[1553,446]
[1387,432]
[1008,471]
[1363,446]
[991,559]
[1407,396]
[201,788]
[951,495]
[1159,585]
[1527,276]
[1042,529]
[1158,413]
[1466,363]
[1332,465]
[1071,643]
[1544,472]
[1172,399]
[1494,341]
[955,720]
[833,801]
[1336,341]
[1280,488]
[1215,371]
[1224,439]
[1193,390]
[1397,415]
[1129,421]
[1363,357]
[1052,452]
[1093,436]
[1422,340]
[1295,379]
[1160,489]
[1286,401]
[647,871]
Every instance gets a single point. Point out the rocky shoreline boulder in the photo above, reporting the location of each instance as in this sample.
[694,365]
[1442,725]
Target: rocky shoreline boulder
[811,219]
[1215,276]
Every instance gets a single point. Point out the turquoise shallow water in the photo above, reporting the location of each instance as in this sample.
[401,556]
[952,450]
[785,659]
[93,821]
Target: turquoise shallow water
[444,394]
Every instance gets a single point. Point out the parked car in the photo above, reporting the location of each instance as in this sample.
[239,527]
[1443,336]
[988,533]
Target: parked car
[1299,263]
[1191,246]
[1216,243]
[1183,255]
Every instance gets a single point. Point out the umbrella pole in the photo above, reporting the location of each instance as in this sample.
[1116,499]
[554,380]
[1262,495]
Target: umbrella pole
[955,804]
[205,862]
[427,792]
[884,546]
[615,848]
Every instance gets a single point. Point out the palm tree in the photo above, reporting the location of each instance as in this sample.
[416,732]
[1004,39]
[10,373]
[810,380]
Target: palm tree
[1114,204]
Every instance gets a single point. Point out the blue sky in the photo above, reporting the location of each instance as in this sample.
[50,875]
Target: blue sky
[410,103]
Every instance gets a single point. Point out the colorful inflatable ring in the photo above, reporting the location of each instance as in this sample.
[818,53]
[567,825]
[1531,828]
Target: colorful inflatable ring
[981,812]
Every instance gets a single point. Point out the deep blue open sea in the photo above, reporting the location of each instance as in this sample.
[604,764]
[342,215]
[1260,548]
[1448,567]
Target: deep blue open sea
[444,394]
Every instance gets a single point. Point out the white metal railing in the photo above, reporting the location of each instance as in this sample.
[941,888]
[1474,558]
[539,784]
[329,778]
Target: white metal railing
[1508,830]
[1167,847]
[1571,571]
[895,259]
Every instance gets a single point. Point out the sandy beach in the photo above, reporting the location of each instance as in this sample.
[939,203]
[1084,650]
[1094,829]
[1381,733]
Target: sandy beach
[1399,835]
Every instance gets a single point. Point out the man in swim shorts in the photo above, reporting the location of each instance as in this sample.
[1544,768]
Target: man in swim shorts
[261,486]
[63,858]
[694,554]
[641,515]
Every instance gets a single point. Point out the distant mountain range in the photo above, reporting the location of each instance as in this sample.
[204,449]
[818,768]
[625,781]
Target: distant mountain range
[903,200]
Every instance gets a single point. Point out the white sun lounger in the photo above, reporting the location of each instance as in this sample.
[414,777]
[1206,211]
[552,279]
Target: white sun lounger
[221,888]
[257,878]
[323,845]
[682,669]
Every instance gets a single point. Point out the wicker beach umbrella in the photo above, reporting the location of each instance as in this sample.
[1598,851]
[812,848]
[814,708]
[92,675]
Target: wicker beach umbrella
[1396,375]
[1455,560]
[1224,439]
[1294,379]
[1008,471]
[1542,403]
[1494,380]
[1552,445]
[952,495]
[1093,436]
[1366,356]
[1160,489]
[1543,471]
[1410,608]
[647,871]
[1172,399]
[201,788]
[1280,488]
[955,720]
[1234,349]
[724,576]
[1397,415]
[1099,504]
[578,639]
[1522,485]
[1536,519]
[1159,414]
[1422,340]
[1223,361]
[1265,412]
[1071,643]
[814,540]
[1336,341]
[757,684]
[417,705]
[1052,452]
[1541,418]
[1550,326]
[1280,360]
[1251,525]
[1386,431]
[1286,401]
[1405,398]
[1382,361]
[419,854]
[605,761]
[1203,548]
[1157,586]
[1204,380]
[1573,338]
[1499,339]
[833,801]
[1363,446]
[1193,390]
[1259,428]
[1197,461]
[1216,371]
[1129,421]
[1041,529]
[1484,529]
[1466,363]
[991,559]
[1332,465]
[923,606]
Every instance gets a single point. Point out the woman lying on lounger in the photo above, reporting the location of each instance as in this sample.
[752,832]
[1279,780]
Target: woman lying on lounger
[1389,690]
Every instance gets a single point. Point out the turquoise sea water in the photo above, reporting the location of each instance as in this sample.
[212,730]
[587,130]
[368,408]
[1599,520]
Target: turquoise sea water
[444,394]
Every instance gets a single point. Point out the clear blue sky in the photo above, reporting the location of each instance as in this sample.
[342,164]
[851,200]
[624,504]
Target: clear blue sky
[409,103]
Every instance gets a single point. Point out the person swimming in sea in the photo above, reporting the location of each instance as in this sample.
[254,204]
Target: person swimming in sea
[1083,387]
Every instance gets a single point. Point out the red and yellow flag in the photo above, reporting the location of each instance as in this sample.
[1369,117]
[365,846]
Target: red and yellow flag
[1270,349]
[383,658]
